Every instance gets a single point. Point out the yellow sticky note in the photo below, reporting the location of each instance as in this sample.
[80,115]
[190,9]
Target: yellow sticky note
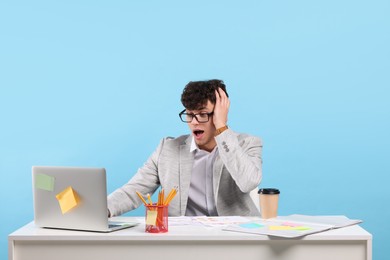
[280,228]
[68,199]
[151,217]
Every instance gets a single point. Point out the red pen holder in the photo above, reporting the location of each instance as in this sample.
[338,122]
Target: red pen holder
[156,218]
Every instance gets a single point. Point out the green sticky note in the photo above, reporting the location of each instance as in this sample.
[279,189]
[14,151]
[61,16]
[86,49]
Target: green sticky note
[44,182]
[301,228]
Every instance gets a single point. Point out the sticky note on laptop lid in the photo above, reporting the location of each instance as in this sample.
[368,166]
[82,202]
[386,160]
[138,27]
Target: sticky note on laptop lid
[44,182]
[68,199]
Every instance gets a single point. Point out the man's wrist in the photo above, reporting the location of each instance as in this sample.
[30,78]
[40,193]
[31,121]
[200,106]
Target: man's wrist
[220,130]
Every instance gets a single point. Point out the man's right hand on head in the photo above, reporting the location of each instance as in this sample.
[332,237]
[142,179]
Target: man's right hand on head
[221,109]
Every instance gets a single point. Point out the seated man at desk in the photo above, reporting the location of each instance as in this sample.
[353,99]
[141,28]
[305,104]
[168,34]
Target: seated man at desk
[213,168]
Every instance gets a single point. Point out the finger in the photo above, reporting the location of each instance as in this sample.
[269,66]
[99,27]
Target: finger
[223,97]
[222,93]
[217,95]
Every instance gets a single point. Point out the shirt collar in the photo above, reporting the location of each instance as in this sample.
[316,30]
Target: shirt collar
[194,146]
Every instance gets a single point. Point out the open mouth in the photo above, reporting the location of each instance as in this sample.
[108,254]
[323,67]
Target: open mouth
[198,133]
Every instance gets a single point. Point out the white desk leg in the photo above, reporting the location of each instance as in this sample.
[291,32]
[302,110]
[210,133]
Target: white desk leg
[369,249]
[10,249]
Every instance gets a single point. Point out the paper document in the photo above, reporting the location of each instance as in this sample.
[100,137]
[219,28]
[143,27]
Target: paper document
[292,226]
[334,221]
[220,221]
[207,221]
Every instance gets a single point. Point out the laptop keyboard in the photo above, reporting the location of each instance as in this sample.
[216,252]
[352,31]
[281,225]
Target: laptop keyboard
[114,225]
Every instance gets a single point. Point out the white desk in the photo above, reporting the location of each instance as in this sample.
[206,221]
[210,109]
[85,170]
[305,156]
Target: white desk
[185,242]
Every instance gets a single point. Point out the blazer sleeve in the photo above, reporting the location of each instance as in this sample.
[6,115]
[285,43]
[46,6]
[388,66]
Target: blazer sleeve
[145,181]
[241,155]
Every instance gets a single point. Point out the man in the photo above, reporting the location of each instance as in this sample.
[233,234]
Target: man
[213,168]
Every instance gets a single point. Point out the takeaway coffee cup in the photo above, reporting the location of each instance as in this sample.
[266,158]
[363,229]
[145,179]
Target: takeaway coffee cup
[269,198]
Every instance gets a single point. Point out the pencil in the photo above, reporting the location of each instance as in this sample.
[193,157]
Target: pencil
[159,199]
[170,196]
[150,199]
[140,196]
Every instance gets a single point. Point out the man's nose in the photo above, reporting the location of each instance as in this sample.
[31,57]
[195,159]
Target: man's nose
[194,121]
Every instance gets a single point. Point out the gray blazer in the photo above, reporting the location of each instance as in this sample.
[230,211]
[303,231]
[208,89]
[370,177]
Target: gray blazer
[237,171]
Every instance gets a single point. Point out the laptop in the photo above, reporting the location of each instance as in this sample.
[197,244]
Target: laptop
[72,198]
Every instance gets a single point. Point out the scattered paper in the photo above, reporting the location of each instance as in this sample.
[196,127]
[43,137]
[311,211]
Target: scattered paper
[335,221]
[296,227]
[251,225]
[302,228]
[183,221]
[293,226]
[220,221]
[290,224]
[68,199]
[280,228]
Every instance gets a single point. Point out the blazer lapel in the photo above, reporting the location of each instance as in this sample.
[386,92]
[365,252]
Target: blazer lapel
[186,163]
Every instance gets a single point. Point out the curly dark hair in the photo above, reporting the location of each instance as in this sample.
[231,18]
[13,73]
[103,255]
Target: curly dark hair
[196,93]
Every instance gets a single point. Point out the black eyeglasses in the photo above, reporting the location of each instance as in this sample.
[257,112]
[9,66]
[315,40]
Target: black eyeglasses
[200,117]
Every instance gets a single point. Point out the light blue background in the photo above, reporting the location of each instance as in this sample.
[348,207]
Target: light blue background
[98,83]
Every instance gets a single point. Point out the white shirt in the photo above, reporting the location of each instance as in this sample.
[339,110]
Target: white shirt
[201,201]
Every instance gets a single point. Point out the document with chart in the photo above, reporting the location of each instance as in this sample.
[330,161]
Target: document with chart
[292,226]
